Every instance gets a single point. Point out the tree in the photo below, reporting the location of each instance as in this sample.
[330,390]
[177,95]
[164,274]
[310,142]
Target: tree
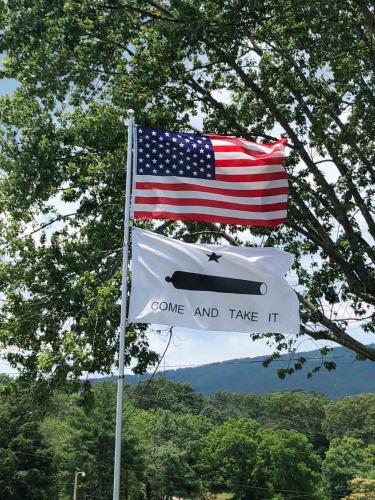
[352,416]
[163,393]
[170,475]
[257,463]
[170,443]
[82,438]
[224,405]
[305,70]
[228,457]
[299,411]
[346,459]
[26,462]
[287,463]
[361,489]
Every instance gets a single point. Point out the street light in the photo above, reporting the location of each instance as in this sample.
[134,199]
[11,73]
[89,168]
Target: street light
[76,483]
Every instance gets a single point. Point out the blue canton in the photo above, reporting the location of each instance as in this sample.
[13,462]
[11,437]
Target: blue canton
[176,154]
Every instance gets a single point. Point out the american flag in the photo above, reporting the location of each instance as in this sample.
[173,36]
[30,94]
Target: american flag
[208,178]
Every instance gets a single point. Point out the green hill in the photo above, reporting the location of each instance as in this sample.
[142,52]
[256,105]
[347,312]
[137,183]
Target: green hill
[249,375]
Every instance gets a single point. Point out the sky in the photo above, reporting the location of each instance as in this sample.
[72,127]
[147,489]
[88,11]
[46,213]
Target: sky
[191,347]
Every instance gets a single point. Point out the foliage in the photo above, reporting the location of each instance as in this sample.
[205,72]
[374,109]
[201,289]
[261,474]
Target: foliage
[223,405]
[26,461]
[85,442]
[351,416]
[303,412]
[258,463]
[167,395]
[170,474]
[173,452]
[361,489]
[287,463]
[346,459]
[305,70]
[171,441]
[273,410]
[228,456]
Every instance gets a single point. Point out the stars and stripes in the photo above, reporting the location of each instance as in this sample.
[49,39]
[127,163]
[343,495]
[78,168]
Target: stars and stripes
[209,178]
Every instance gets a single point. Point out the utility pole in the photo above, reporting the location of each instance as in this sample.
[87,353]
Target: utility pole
[76,483]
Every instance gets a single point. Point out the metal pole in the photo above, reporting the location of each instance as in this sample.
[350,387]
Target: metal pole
[123,322]
[76,483]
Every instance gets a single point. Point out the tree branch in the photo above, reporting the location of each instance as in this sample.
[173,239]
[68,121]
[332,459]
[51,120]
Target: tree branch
[236,127]
[319,236]
[61,217]
[368,16]
[327,141]
[318,94]
[340,336]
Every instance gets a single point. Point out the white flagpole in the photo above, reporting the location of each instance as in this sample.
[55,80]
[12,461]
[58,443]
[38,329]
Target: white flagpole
[123,322]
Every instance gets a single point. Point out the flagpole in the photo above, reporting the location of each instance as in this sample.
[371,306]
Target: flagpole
[123,322]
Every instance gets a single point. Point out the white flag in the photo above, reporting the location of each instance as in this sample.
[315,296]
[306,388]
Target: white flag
[211,287]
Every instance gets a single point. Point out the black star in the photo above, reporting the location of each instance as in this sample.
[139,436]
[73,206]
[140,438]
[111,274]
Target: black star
[214,257]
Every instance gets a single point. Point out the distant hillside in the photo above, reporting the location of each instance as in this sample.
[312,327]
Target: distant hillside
[248,375]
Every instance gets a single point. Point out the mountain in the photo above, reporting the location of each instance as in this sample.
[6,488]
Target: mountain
[351,376]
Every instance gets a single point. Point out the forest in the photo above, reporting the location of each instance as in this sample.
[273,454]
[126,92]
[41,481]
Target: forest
[178,443]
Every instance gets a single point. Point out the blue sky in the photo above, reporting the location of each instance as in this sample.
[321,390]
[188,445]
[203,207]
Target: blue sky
[7,86]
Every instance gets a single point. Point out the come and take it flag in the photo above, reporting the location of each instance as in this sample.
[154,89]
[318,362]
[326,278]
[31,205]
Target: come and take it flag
[209,178]
[211,287]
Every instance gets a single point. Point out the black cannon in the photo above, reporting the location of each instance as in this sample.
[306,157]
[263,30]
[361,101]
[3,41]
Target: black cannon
[206,283]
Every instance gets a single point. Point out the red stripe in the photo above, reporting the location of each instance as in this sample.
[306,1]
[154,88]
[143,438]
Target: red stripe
[248,162]
[243,193]
[207,218]
[273,176]
[193,202]
[236,140]
[264,167]
[242,149]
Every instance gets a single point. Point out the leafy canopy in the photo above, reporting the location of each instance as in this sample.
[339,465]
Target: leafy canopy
[305,69]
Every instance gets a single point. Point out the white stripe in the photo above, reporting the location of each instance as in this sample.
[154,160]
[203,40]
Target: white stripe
[264,169]
[252,146]
[237,155]
[199,195]
[223,212]
[213,184]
